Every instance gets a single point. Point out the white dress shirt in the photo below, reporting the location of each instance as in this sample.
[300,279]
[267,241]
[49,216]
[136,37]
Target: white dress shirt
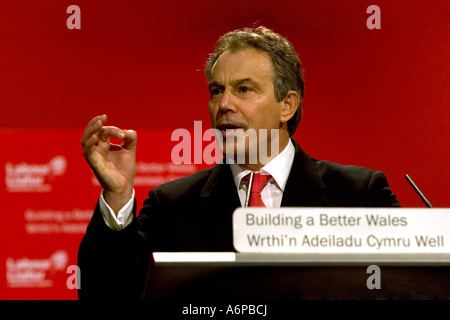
[272,194]
[279,168]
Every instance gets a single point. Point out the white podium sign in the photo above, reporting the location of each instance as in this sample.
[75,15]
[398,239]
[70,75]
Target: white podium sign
[341,230]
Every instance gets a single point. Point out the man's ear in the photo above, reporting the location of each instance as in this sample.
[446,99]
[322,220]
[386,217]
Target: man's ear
[289,106]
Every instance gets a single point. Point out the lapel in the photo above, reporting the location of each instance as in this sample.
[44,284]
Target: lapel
[218,200]
[304,187]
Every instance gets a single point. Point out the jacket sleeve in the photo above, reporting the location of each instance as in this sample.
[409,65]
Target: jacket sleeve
[379,194]
[108,262]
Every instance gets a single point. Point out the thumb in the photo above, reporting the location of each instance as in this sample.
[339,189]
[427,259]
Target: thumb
[130,139]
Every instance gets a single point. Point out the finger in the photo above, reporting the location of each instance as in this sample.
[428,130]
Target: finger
[93,127]
[109,131]
[90,131]
[103,118]
[89,143]
[96,121]
[130,139]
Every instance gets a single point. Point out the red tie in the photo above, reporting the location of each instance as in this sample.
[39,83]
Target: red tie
[259,181]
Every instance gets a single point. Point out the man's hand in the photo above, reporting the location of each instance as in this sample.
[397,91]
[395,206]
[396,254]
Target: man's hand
[113,165]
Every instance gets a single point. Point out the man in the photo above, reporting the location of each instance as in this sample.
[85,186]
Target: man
[256,83]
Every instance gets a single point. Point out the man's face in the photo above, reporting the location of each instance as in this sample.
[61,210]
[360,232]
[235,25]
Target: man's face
[242,96]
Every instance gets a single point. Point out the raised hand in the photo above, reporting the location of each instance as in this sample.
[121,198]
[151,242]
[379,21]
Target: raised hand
[113,165]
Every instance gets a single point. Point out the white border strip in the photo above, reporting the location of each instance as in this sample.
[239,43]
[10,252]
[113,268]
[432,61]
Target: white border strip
[194,256]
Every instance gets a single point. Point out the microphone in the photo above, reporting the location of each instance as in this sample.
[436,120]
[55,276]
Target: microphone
[421,195]
[249,189]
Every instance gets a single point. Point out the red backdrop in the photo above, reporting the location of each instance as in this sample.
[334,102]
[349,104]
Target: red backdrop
[375,98]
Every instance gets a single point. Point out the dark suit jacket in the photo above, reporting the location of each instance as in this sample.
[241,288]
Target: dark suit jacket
[194,213]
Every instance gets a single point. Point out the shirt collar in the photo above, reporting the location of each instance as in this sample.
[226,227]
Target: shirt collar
[279,167]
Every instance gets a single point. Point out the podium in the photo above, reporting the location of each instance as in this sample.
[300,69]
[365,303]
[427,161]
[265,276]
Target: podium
[266,276]
[315,254]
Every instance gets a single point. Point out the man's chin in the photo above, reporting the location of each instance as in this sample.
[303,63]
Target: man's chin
[235,153]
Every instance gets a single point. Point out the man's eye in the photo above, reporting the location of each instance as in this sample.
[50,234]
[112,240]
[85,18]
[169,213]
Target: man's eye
[215,92]
[244,89]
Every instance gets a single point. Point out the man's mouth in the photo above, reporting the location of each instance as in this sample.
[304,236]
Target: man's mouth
[230,129]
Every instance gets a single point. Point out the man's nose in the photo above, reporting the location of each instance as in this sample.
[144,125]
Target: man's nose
[227,103]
